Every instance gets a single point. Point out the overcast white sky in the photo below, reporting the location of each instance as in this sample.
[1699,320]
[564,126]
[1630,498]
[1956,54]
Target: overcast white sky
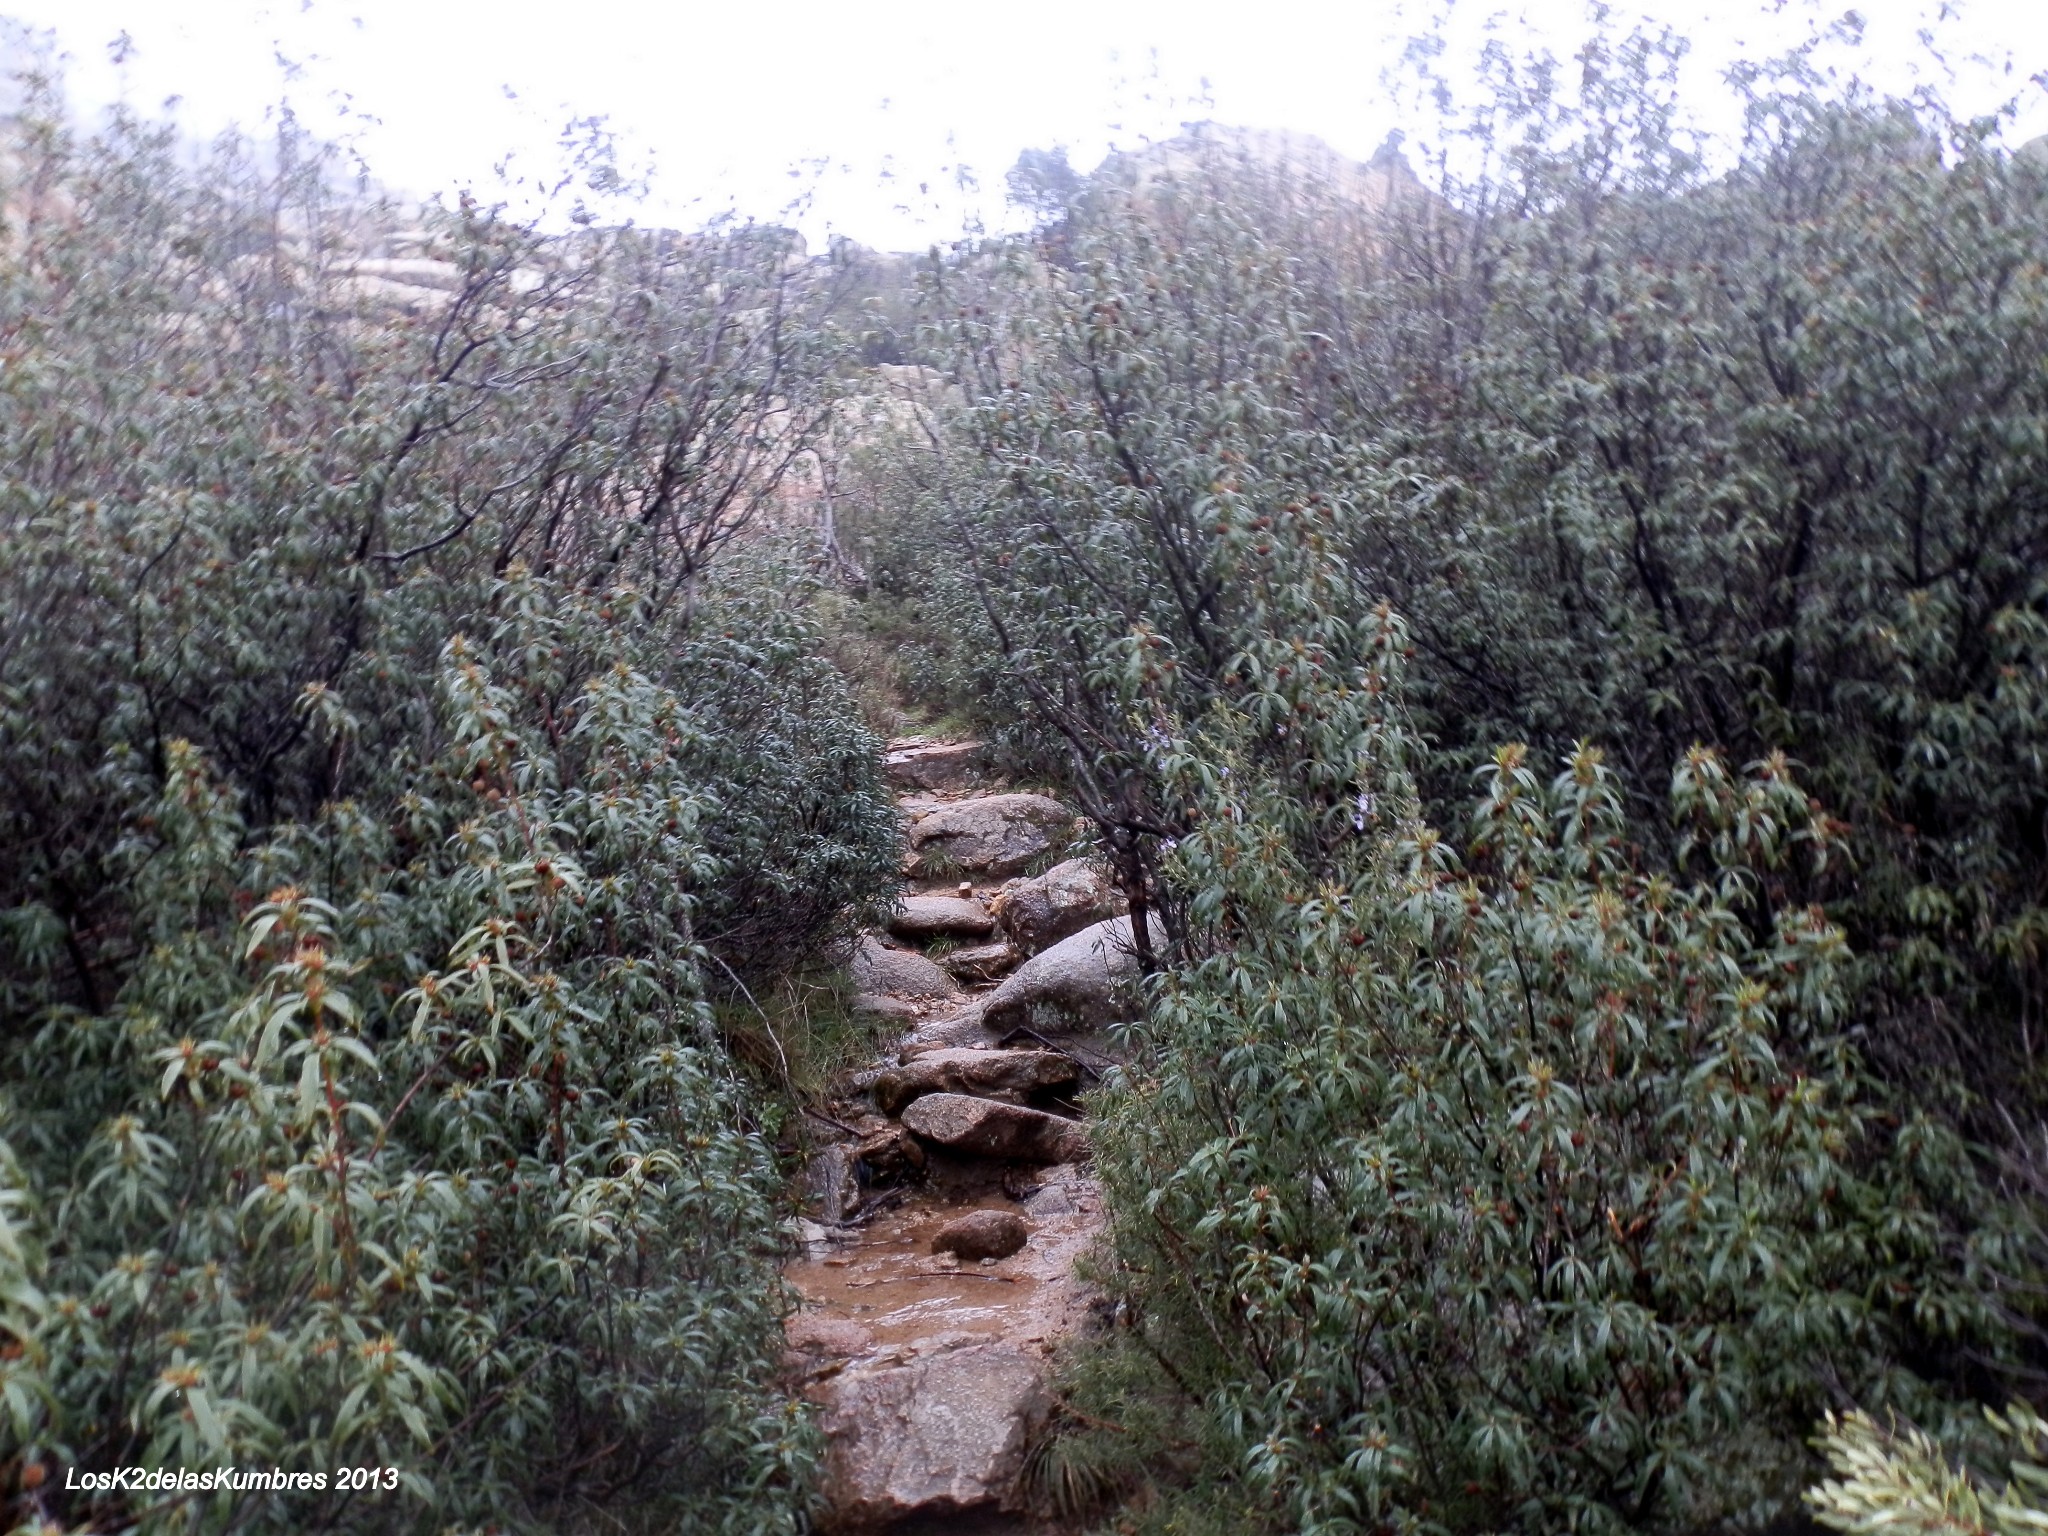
[726,98]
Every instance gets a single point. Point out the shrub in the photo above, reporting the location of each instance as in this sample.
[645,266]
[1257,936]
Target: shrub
[1652,441]
[1538,1193]
[1899,1480]
[1752,458]
[1708,465]
[426,1159]
[804,834]
[390,763]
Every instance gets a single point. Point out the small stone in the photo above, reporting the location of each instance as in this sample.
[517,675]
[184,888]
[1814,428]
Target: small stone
[982,1235]
[1050,1200]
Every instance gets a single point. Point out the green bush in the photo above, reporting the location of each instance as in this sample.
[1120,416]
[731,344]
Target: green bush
[804,834]
[1706,461]
[1538,1192]
[1754,458]
[407,1143]
[1901,1481]
[398,745]
[1652,442]
[1128,504]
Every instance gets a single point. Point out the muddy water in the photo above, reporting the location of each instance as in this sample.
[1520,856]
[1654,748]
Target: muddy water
[885,1292]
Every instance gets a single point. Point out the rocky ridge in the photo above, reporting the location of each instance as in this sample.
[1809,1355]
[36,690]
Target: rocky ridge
[937,1272]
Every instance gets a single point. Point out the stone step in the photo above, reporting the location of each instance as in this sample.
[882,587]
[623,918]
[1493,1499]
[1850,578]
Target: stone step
[993,836]
[941,1436]
[978,1127]
[981,962]
[880,971]
[933,917]
[1007,1076]
[934,765]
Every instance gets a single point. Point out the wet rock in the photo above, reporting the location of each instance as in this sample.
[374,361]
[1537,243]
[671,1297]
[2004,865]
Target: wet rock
[879,1005]
[1057,1193]
[939,1436]
[1036,914]
[811,1334]
[817,1240]
[985,1128]
[1085,981]
[1007,1075]
[831,1184]
[982,1235]
[935,765]
[994,835]
[931,917]
[889,1154]
[981,962]
[954,1030]
[1050,1200]
[881,971]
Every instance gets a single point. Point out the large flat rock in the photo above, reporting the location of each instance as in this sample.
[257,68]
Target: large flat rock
[985,1128]
[1007,1075]
[934,765]
[993,835]
[938,1436]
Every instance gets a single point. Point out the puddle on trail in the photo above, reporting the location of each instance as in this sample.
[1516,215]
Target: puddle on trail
[885,1289]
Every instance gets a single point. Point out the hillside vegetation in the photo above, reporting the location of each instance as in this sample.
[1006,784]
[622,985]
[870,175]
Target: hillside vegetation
[1566,654]
[391,751]
[1558,653]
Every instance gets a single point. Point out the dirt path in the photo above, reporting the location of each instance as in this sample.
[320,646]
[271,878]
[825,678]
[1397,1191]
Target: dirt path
[927,1354]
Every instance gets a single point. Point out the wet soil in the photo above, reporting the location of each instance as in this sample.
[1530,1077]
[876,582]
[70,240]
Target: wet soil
[882,1290]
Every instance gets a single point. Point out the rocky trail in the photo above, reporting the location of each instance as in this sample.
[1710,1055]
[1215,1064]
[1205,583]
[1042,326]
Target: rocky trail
[937,1272]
